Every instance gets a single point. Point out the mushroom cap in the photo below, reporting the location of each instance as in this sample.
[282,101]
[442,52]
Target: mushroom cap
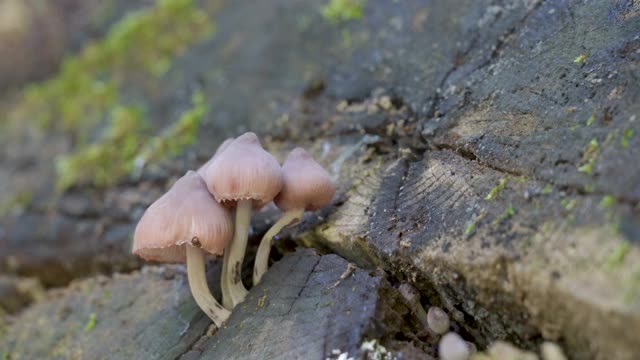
[306,183]
[221,148]
[186,215]
[243,171]
[453,347]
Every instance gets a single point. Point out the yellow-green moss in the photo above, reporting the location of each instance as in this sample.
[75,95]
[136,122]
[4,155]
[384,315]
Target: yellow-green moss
[171,142]
[607,201]
[144,42]
[509,212]
[568,204]
[19,199]
[589,157]
[91,323]
[626,136]
[496,190]
[581,58]
[110,159]
[89,91]
[591,119]
[619,253]
[338,11]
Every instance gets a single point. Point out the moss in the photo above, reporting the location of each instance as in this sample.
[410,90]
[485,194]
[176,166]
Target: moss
[21,199]
[182,133]
[616,258]
[568,204]
[471,228]
[509,212]
[547,189]
[589,157]
[581,58]
[91,323]
[261,301]
[607,201]
[591,119]
[144,42]
[496,190]
[86,95]
[337,11]
[105,162]
[626,136]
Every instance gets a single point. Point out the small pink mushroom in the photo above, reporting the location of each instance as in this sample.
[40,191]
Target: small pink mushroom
[247,176]
[183,225]
[307,186]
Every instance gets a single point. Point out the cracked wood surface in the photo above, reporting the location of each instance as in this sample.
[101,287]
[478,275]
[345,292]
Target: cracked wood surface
[458,133]
[294,313]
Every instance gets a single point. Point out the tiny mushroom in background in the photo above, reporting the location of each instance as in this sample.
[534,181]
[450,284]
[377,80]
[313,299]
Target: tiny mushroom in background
[453,347]
[438,320]
[181,226]
[246,175]
[307,186]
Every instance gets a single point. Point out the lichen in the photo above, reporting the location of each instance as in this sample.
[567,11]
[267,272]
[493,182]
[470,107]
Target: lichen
[496,190]
[337,11]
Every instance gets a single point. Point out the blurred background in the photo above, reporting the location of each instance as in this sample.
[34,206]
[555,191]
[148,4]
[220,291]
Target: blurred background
[486,153]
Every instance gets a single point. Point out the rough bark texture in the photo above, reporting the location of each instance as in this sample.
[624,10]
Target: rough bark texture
[485,152]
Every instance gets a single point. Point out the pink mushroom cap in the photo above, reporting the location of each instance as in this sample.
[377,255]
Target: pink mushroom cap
[244,171]
[221,148]
[187,215]
[307,185]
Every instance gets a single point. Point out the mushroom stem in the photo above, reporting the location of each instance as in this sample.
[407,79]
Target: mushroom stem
[200,289]
[237,291]
[224,279]
[262,257]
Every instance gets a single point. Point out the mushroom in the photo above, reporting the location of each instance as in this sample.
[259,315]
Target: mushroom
[183,225]
[247,176]
[438,320]
[307,186]
[224,284]
[453,347]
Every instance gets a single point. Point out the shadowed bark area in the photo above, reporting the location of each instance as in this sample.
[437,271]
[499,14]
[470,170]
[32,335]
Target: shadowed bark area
[484,152]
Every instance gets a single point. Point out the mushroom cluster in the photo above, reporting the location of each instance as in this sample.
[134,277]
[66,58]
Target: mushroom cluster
[194,217]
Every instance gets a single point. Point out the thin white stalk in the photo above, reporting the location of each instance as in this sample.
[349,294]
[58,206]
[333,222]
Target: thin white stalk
[200,289]
[237,291]
[262,257]
[224,279]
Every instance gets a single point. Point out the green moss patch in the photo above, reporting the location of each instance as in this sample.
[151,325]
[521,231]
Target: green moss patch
[337,11]
[90,99]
